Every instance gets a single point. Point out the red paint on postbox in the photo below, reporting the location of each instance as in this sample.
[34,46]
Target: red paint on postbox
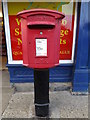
[40,37]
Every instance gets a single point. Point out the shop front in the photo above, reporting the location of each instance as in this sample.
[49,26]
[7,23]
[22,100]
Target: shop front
[71,59]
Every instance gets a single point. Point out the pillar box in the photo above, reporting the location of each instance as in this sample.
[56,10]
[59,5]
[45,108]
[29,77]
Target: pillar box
[41,45]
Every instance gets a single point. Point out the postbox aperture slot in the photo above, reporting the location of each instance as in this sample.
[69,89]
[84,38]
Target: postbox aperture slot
[41,25]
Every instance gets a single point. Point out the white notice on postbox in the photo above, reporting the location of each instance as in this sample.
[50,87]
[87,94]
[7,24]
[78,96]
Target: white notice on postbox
[41,47]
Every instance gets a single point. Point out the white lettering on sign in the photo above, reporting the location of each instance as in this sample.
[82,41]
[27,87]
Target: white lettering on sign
[41,47]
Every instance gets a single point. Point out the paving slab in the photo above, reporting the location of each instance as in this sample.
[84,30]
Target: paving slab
[6,91]
[53,86]
[62,105]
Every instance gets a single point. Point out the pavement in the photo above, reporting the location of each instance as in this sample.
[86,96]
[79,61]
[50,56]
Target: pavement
[62,105]
[6,91]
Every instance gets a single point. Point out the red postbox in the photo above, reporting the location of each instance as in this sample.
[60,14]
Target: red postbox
[41,45]
[40,37]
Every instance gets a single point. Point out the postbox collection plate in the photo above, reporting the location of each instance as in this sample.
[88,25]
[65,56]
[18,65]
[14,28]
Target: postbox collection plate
[41,47]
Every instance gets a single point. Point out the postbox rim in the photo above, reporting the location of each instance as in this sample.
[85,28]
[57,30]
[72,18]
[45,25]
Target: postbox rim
[55,13]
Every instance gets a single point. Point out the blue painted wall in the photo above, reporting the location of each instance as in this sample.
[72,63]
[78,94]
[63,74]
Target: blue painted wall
[21,74]
[80,80]
[89,44]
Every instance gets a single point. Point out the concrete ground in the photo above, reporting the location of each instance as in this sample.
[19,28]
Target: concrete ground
[7,90]
[62,105]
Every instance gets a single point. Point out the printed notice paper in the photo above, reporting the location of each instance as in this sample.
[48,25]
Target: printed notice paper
[41,47]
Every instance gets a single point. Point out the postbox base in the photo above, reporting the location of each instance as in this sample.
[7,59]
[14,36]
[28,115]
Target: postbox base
[42,111]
